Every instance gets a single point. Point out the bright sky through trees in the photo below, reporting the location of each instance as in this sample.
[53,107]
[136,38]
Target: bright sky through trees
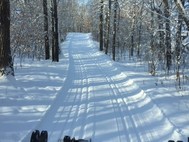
[83,1]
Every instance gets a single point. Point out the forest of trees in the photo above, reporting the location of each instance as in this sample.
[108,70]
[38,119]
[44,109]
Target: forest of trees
[34,29]
[155,31]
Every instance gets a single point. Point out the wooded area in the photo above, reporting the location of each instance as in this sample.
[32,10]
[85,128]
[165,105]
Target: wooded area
[155,31]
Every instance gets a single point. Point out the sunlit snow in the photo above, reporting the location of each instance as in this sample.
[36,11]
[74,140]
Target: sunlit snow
[87,95]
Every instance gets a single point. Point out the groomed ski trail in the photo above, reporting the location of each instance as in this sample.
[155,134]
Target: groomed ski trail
[98,101]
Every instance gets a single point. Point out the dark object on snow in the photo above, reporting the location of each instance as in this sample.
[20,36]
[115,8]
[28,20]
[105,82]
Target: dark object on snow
[174,141]
[68,139]
[37,137]
[44,136]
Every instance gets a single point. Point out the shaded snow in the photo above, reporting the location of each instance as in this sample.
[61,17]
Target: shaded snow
[87,95]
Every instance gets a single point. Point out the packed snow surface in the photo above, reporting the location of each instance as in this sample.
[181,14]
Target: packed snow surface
[87,95]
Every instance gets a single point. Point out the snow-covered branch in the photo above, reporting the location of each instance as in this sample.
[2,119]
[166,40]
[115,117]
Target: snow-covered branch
[182,11]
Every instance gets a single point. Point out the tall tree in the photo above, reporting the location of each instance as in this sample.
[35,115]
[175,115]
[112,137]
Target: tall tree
[6,63]
[133,30]
[161,33]
[168,34]
[108,22]
[52,30]
[101,25]
[56,31]
[46,37]
[152,42]
[114,29]
[55,40]
[178,45]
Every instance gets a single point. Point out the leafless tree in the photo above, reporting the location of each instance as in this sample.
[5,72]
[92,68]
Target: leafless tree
[6,63]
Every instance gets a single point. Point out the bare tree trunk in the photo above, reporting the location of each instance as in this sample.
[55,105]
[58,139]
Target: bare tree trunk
[55,40]
[178,48]
[101,25]
[6,63]
[46,37]
[139,39]
[132,44]
[152,45]
[114,30]
[53,30]
[132,36]
[140,31]
[168,35]
[161,35]
[108,28]
[56,31]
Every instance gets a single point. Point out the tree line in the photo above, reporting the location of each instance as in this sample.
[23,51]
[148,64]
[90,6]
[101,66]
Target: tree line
[34,29]
[153,30]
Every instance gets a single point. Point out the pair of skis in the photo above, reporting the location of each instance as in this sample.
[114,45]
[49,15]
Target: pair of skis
[42,136]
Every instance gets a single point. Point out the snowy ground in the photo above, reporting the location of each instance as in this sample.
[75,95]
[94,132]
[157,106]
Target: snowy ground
[86,95]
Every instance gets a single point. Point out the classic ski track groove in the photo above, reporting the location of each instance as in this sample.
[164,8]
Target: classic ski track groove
[78,109]
[115,93]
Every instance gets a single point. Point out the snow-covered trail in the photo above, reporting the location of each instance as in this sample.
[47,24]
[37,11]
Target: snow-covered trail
[98,101]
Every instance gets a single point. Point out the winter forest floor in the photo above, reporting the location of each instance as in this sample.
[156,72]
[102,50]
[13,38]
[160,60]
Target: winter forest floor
[87,95]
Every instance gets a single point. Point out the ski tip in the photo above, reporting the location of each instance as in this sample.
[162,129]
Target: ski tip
[69,139]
